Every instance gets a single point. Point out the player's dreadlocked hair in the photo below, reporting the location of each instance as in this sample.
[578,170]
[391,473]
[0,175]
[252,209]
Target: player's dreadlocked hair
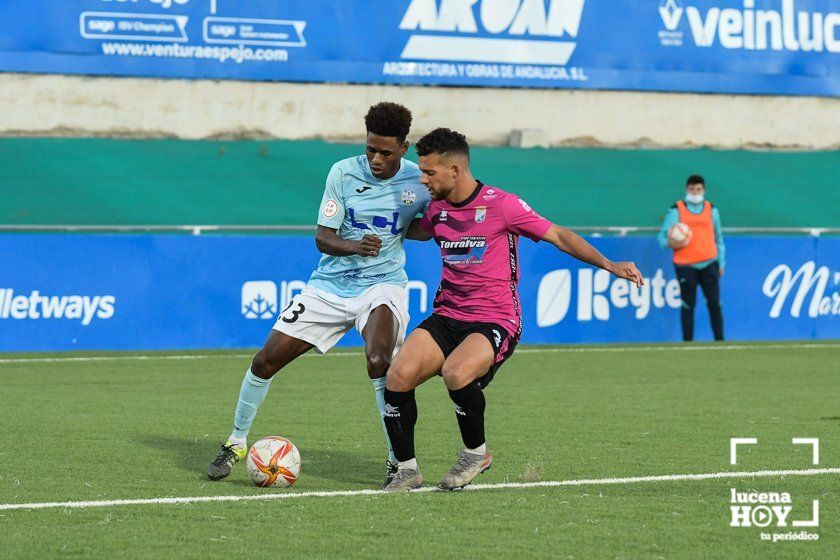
[443,141]
[389,119]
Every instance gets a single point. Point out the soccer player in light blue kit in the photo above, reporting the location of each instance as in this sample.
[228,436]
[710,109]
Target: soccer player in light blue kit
[368,203]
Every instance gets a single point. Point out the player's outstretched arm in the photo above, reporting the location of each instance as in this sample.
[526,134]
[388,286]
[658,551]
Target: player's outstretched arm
[569,242]
[416,232]
[329,243]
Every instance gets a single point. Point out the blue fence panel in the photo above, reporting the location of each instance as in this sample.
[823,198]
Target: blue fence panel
[67,292]
[733,46]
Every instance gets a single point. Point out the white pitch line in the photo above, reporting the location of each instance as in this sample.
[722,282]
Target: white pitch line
[474,487]
[138,358]
[576,350]
[675,348]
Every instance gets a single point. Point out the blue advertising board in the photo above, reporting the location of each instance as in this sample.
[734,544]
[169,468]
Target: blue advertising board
[787,47]
[73,292]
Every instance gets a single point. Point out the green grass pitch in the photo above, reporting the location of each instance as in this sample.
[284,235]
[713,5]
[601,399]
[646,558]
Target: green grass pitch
[122,427]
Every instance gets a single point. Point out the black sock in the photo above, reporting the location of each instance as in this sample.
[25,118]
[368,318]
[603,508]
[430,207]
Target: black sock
[400,417]
[469,402]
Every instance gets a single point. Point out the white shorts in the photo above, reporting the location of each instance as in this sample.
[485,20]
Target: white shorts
[321,318]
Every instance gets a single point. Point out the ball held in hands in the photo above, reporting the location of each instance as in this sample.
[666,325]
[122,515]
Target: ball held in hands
[679,236]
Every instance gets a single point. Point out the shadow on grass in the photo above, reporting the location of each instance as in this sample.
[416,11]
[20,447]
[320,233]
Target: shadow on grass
[193,455]
[187,453]
[358,467]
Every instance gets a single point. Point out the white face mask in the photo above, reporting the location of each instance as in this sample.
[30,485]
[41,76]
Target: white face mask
[694,198]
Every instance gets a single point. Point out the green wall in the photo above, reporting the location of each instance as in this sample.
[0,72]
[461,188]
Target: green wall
[118,182]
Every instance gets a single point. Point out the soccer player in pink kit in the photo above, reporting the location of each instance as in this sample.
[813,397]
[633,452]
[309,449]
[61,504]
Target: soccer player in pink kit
[477,319]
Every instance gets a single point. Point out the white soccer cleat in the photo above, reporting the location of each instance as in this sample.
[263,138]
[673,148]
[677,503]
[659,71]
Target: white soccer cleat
[469,466]
[405,480]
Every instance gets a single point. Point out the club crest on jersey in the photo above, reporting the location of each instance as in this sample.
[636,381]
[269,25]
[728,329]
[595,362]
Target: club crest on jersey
[442,216]
[409,197]
[480,214]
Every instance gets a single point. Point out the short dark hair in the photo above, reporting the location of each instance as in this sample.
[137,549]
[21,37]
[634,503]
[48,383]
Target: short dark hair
[389,119]
[443,141]
[695,180]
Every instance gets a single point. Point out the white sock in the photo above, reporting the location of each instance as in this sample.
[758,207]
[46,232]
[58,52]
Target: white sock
[238,441]
[410,464]
[480,450]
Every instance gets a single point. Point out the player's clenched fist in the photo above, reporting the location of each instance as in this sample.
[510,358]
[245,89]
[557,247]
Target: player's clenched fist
[369,246]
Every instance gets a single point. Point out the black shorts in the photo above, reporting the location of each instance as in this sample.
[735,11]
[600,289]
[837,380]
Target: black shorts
[449,333]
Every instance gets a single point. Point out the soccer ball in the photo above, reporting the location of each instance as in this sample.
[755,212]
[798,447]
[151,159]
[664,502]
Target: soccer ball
[273,461]
[679,235]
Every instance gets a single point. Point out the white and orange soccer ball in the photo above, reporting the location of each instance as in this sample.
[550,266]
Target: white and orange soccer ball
[679,235]
[273,461]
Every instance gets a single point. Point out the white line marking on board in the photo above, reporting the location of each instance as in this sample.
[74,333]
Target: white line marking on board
[576,350]
[474,487]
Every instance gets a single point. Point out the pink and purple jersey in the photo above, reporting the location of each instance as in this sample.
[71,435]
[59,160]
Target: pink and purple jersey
[478,244]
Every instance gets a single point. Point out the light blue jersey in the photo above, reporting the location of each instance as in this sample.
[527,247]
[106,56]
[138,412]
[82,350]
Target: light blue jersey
[356,203]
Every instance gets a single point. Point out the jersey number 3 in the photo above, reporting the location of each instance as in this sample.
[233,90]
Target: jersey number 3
[290,315]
